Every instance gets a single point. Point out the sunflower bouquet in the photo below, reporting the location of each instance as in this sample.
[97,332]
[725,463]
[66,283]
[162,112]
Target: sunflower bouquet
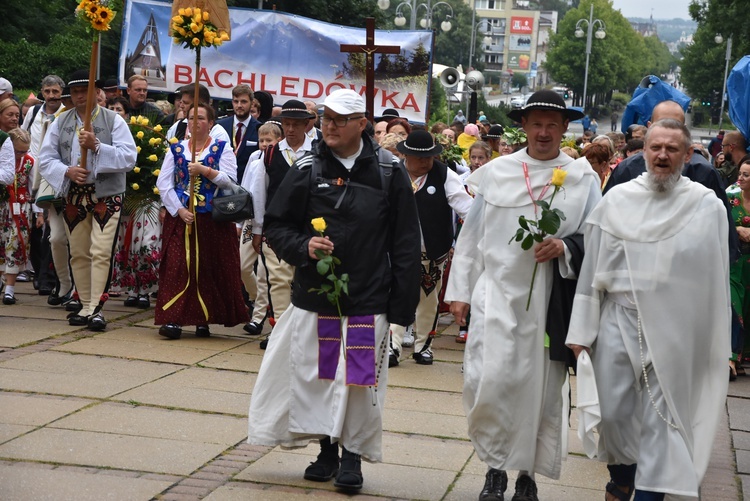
[151,144]
[98,13]
[193,28]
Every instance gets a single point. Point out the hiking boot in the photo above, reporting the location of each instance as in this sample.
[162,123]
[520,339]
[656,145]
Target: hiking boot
[350,471]
[327,465]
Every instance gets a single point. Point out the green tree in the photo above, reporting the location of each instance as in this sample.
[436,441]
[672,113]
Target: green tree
[615,62]
[703,64]
[519,80]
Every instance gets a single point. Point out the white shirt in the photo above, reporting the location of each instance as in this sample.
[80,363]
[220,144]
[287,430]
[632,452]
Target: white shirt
[7,163]
[36,128]
[217,132]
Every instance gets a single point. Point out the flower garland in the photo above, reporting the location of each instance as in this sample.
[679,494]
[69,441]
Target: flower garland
[151,145]
[96,12]
[193,28]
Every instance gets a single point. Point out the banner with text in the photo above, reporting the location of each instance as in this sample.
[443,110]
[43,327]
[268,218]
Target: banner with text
[289,56]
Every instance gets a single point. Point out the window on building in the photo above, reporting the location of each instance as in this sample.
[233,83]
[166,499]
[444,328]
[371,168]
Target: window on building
[490,4]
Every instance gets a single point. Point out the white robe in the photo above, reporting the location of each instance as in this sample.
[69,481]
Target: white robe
[512,391]
[664,255]
[291,406]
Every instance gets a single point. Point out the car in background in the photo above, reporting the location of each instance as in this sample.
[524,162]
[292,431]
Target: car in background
[519,102]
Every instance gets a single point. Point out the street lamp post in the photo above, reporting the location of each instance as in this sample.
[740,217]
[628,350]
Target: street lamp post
[426,21]
[487,40]
[600,34]
[719,39]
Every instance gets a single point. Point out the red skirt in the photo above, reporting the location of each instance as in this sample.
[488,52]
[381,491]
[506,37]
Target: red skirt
[217,283]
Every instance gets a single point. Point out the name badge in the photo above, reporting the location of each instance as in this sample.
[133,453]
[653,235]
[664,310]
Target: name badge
[16,209]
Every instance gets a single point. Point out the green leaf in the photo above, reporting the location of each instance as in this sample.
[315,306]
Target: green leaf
[322,267]
[527,242]
[538,237]
[331,298]
[326,287]
[345,287]
[543,204]
[522,222]
[560,213]
[331,277]
[549,223]
[335,260]
[345,277]
[319,254]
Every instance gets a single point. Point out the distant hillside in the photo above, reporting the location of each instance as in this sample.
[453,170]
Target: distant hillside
[669,30]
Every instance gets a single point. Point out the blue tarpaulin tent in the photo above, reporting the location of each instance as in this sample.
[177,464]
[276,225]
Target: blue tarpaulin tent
[738,92]
[651,91]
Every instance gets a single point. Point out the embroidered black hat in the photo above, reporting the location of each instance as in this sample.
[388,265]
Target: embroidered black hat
[495,132]
[420,143]
[546,100]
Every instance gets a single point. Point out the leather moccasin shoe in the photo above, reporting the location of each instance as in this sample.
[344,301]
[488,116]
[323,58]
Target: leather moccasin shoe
[424,357]
[78,320]
[202,331]
[172,331]
[253,328]
[97,322]
[144,302]
[131,301]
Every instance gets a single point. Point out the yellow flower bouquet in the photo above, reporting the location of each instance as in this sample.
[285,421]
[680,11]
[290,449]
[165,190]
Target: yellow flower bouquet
[192,27]
[97,13]
[151,145]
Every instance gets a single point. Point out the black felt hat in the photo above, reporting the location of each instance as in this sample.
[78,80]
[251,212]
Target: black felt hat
[110,84]
[81,78]
[546,100]
[388,114]
[295,109]
[420,143]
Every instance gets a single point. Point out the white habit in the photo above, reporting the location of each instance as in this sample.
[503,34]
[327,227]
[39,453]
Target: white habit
[290,406]
[661,258]
[512,391]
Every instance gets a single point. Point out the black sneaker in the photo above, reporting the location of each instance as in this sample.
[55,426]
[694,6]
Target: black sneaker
[495,483]
[525,489]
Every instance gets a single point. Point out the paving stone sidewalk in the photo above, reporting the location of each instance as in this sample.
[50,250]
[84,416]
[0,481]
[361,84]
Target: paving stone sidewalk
[127,415]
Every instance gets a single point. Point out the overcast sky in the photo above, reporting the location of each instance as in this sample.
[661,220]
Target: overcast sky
[663,9]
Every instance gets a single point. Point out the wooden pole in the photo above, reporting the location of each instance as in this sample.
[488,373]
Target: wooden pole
[193,125]
[90,96]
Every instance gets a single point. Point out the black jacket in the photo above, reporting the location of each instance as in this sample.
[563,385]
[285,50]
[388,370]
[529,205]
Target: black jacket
[374,232]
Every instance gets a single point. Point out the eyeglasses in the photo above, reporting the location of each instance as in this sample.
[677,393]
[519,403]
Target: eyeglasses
[724,145]
[338,121]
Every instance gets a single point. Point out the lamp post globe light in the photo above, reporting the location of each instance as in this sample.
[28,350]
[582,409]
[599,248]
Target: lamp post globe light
[600,34]
[426,21]
[719,39]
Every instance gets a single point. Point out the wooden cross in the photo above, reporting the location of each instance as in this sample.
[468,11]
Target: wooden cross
[370,49]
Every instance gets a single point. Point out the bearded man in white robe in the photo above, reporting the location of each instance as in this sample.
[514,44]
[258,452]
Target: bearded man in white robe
[653,308]
[512,390]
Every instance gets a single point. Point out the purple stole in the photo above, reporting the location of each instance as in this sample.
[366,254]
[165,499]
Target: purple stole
[360,349]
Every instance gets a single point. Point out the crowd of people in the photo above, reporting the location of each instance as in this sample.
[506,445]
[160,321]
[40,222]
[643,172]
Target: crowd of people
[362,233]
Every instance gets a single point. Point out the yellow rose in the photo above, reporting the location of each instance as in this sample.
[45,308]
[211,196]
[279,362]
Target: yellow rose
[217,42]
[181,31]
[188,12]
[136,169]
[205,16]
[209,36]
[153,158]
[196,42]
[197,12]
[137,149]
[132,120]
[157,128]
[319,224]
[194,27]
[174,140]
[156,172]
[176,40]
[135,186]
[224,36]
[177,19]
[558,177]
[156,190]
[143,121]
[181,12]
[139,134]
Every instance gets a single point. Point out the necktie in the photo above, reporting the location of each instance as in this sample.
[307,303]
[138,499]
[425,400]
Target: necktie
[414,186]
[238,136]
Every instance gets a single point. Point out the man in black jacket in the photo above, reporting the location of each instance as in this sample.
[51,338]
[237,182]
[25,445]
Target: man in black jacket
[325,371]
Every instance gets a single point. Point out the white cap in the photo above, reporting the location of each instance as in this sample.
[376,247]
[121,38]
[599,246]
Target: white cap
[345,102]
[5,86]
